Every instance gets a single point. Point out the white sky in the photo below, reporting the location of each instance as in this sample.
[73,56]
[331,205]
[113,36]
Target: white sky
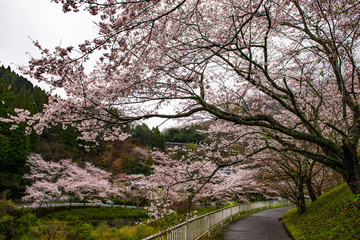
[43,21]
[40,20]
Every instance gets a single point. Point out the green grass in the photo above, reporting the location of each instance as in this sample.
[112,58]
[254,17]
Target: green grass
[95,214]
[203,210]
[334,215]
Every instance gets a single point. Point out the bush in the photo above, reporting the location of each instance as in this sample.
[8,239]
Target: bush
[85,230]
[14,221]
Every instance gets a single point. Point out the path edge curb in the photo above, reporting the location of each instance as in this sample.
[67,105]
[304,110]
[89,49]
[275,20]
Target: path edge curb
[287,230]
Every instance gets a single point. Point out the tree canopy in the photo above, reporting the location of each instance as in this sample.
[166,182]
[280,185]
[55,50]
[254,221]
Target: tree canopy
[286,67]
[184,135]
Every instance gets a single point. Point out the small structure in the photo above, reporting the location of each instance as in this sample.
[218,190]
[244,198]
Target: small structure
[175,144]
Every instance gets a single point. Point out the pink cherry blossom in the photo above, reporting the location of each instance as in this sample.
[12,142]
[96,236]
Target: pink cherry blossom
[290,68]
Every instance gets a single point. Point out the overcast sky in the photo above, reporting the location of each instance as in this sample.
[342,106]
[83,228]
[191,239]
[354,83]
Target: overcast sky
[45,22]
[39,20]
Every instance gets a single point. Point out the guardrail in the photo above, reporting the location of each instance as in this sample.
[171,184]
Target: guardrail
[75,204]
[200,226]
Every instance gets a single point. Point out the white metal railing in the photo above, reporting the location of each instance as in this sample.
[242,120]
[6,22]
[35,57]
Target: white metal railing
[75,204]
[197,227]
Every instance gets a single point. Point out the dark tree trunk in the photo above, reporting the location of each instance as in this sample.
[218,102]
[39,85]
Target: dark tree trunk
[300,199]
[310,189]
[354,183]
[352,166]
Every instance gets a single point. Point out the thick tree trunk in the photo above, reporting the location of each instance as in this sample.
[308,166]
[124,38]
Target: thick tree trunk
[300,204]
[352,167]
[300,199]
[310,189]
[354,183]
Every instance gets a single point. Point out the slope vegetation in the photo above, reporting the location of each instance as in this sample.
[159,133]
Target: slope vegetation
[334,215]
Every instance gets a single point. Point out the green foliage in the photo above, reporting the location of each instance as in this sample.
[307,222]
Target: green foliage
[143,133]
[17,223]
[204,210]
[134,167]
[14,149]
[149,138]
[158,140]
[334,215]
[184,135]
[85,230]
[14,222]
[22,224]
[103,213]
[16,92]
[126,232]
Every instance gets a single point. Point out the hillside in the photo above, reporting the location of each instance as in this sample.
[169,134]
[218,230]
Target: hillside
[334,215]
[130,156]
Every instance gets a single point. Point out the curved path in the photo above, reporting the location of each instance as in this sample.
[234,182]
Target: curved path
[263,225]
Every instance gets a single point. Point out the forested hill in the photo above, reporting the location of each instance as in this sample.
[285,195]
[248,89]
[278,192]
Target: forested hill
[56,143]
[16,92]
[14,80]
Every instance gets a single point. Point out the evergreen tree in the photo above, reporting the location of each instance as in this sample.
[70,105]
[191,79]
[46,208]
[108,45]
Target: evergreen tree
[143,133]
[184,135]
[158,140]
[16,92]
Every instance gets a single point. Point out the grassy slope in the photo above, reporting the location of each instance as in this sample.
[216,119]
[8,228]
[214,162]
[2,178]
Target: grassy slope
[334,215]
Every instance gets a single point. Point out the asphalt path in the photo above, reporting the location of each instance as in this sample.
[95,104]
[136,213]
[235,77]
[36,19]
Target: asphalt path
[263,225]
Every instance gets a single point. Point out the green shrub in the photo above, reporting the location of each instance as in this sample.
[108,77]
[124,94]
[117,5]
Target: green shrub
[15,222]
[85,230]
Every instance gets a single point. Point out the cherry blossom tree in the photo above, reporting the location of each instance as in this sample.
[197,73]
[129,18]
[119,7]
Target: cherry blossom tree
[288,173]
[213,172]
[293,176]
[88,184]
[43,176]
[287,66]
[67,181]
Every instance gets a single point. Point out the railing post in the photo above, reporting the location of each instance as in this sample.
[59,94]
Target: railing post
[209,223]
[222,218]
[187,229]
[184,230]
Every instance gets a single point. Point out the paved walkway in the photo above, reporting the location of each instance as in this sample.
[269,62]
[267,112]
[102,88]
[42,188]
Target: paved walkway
[263,225]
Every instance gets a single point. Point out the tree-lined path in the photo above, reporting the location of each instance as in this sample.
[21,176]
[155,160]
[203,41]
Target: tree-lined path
[263,225]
